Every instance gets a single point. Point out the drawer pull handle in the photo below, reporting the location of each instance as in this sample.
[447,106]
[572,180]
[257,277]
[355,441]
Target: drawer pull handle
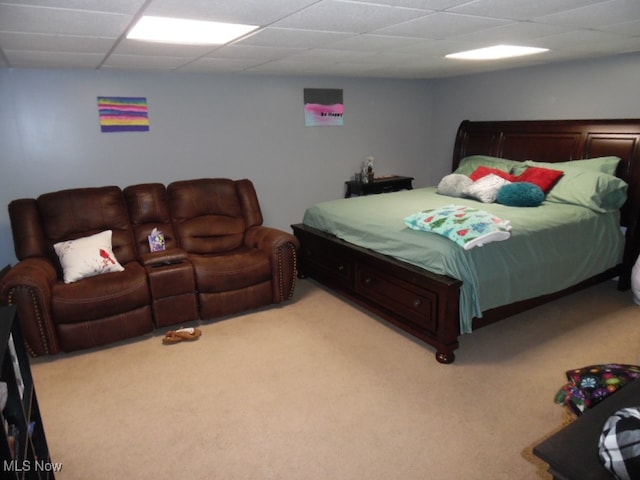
[367,280]
[417,302]
[341,268]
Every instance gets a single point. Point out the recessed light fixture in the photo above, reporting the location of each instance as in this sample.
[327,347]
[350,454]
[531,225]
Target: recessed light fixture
[496,52]
[186,32]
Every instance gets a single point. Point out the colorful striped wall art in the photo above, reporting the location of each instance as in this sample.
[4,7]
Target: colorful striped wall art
[123,114]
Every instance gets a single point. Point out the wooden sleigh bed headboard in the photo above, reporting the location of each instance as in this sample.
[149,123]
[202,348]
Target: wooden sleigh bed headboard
[426,304]
[561,141]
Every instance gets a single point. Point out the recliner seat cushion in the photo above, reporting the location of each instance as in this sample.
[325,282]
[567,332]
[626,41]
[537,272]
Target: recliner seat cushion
[100,296]
[232,270]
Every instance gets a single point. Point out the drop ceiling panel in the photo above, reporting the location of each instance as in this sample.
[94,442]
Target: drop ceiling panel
[33,59]
[146,62]
[373,43]
[54,43]
[58,21]
[519,33]
[134,47]
[418,4]
[340,16]
[442,25]
[226,65]
[250,52]
[589,41]
[385,38]
[518,9]
[113,6]
[595,16]
[287,37]
[627,28]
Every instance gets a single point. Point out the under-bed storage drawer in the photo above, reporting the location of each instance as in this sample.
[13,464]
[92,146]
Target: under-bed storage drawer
[328,261]
[414,303]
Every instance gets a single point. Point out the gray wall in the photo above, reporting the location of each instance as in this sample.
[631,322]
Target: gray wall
[605,88]
[204,126]
[216,125]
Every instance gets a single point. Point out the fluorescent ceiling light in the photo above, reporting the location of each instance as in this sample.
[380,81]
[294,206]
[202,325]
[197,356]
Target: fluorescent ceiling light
[189,32]
[496,52]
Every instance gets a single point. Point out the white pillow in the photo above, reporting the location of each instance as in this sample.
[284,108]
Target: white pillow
[454,185]
[486,188]
[87,257]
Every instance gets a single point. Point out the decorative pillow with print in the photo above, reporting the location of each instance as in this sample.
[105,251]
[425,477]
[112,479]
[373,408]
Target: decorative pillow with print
[589,385]
[486,188]
[464,225]
[87,257]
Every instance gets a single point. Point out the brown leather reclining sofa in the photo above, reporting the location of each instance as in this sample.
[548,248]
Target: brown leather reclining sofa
[218,260]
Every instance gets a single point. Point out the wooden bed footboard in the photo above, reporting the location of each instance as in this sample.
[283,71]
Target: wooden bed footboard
[422,303]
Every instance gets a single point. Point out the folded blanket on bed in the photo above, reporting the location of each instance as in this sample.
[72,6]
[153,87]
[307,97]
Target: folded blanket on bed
[467,226]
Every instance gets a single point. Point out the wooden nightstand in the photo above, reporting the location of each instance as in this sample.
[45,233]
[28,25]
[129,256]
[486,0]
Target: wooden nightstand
[379,185]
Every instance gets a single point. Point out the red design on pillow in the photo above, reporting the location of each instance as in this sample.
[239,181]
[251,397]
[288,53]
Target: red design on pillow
[106,256]
[545,178]
[480,172]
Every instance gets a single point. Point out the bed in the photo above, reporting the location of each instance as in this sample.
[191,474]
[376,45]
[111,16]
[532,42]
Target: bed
[363,249]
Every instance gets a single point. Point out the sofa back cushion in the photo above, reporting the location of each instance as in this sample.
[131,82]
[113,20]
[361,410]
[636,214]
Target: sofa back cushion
[211,215]
[28,237]
[148,208]
[76,213]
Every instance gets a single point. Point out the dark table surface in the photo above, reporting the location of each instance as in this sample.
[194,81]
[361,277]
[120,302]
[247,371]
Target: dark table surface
[572,453]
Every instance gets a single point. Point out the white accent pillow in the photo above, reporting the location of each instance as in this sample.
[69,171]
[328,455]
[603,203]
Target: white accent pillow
[87,257]
[454,185]
[486,188]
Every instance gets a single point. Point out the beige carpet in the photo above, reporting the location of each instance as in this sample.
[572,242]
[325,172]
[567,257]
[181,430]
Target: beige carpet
[318,389]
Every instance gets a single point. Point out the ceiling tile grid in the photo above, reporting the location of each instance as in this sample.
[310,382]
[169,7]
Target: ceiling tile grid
[363,38]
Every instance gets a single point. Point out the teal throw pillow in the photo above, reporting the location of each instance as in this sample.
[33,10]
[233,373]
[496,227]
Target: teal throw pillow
[520,194]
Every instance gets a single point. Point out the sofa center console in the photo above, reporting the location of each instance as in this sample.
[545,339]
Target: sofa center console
[173,293]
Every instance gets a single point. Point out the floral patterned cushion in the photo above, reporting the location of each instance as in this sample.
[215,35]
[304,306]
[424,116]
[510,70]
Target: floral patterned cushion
[467,226]
[588,386]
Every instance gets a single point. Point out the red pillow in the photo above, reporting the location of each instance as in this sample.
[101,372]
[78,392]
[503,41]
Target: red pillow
[545,178]
[480,172]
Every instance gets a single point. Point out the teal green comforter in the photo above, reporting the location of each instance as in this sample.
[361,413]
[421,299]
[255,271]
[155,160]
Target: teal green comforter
[552,246]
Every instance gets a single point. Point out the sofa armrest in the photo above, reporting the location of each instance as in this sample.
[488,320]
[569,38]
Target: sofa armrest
[28,285]
[163,257]
[282,248]
[268,239]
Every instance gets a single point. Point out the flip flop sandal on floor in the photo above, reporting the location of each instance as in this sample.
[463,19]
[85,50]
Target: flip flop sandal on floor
[188,333]
[170,338]
[176,336]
